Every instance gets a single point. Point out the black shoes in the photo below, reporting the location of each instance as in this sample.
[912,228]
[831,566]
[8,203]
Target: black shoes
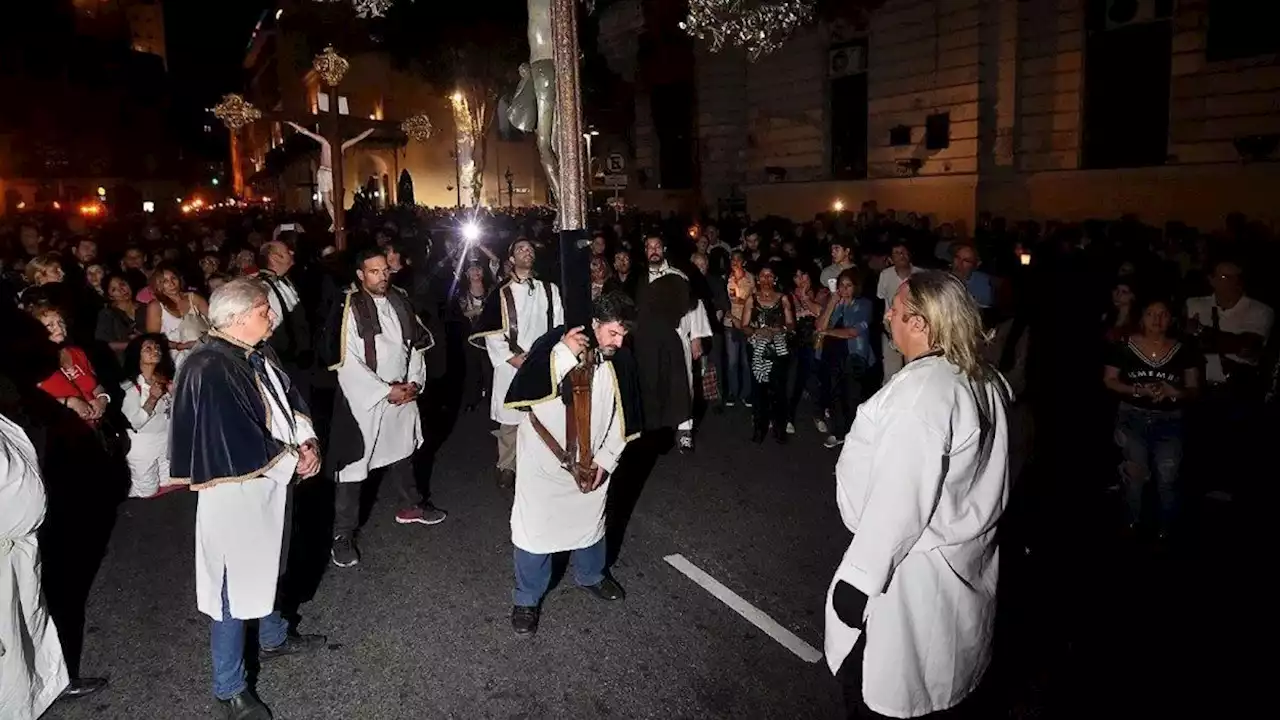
[524,620]
[80,687]
[293,645]
[244,706]
[344,553]
[607,590]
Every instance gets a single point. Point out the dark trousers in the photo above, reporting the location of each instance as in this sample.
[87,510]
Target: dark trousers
[806,374]
[479,376]
[850,679]
[770,398]
[346,507]
[845,383]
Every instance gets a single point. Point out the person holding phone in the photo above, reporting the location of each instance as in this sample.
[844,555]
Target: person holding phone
[146,406]
[1154,374]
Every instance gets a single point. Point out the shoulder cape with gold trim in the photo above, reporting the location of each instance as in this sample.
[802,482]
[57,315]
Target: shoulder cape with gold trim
[219,424]
[493,318]
[535,382]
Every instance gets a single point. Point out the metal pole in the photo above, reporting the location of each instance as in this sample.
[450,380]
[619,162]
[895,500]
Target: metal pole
[335,149]
[575,265]
[457,173]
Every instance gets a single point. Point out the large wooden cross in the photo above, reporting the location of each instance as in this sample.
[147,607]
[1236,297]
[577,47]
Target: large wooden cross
[236,113]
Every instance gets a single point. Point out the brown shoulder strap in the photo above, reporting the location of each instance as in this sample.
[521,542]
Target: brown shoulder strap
[547,438]
[513,321]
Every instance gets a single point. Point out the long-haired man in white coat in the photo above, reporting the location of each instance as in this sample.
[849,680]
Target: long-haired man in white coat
[921,482]
[33,673]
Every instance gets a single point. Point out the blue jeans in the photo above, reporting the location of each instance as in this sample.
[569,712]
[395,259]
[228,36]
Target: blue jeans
[1151,444]
[737,355]
[226,640]
[533,572]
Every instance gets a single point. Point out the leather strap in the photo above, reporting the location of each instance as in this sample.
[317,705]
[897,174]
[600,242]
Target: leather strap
[550,440]
[513,321]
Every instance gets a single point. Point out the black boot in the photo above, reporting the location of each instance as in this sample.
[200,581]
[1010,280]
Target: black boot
[245,706]
[524,619]
[80,687]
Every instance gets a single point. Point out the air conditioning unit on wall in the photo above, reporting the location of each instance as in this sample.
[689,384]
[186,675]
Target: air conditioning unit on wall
[1121,13]
[847,60]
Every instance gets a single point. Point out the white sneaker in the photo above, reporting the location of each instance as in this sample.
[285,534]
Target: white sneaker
[791,428]
[832,442]
[821,425]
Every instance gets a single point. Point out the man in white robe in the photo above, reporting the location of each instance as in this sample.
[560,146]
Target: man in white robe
[563,476]
[376,423]
[520,312]
[693,327]
[239,435]
[921,482]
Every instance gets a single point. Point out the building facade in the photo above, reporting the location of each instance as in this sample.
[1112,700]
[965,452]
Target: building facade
[1036,109]
[269,161]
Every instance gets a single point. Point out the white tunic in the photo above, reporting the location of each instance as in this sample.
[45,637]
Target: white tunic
[922,480]
[240,524]
[32,671]
[550,514]
[390,432]
[148,434]
[531,323]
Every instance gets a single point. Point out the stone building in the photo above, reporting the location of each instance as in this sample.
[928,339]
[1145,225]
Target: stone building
[1026,108]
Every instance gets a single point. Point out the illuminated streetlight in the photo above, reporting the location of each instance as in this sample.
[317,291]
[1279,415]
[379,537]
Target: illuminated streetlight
[148,207]
[838,206]
[102,190]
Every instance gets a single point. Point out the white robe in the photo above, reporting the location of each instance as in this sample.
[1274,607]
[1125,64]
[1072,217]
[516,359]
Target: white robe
[531,324]
[32,671]
[240,524]
[390,432]
[694,326]
[921,481]
[550,514]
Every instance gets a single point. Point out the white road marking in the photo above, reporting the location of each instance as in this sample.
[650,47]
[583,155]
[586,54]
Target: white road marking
[754,615]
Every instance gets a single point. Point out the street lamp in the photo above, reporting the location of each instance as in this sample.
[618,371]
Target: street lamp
[588,135]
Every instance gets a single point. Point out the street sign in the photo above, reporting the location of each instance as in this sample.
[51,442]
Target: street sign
[615,164]
[615,182]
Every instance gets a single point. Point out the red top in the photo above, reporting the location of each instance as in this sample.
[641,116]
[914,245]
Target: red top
[76,379]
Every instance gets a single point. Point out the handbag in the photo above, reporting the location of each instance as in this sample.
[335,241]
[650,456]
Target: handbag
[710,381]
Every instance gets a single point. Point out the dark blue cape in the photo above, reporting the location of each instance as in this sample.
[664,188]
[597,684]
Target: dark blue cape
[219,430]
[532,382]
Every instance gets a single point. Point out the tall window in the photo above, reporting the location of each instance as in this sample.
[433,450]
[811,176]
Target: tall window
[847,71]
[672,107]
[1128,64]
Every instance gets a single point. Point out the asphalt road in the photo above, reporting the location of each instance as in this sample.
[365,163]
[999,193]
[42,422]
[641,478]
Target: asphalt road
[420,628]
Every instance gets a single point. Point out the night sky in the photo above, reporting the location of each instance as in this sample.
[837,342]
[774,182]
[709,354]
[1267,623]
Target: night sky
[206,44]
